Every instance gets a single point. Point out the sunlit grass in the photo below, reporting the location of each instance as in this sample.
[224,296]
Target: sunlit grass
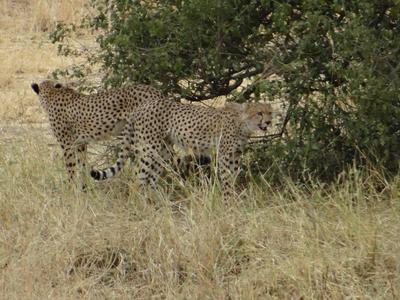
[325,242]
[26,53]
[332,242]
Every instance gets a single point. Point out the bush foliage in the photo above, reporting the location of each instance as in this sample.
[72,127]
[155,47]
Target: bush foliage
[334,64]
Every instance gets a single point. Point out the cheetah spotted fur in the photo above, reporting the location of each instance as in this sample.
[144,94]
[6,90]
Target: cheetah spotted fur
[77,119]
[156,126]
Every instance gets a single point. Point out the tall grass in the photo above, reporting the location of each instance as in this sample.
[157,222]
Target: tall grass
[26,54]
[39,15]
[338,241]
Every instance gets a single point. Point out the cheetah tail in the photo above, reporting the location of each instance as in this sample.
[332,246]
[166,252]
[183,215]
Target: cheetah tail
[99,175]
[123,155]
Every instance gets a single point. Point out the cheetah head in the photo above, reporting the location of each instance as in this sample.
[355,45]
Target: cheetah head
[46,90]
[45,87]
[256,115]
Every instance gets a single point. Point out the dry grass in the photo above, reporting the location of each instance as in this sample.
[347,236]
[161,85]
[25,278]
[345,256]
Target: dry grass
[39,15]
[324,242]
[27,55]
[331,242]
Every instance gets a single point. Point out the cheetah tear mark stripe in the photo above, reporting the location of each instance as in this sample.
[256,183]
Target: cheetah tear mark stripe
[122,157]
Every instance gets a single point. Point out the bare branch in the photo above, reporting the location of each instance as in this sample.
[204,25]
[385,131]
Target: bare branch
[222,87]
[248,72]
[215,93]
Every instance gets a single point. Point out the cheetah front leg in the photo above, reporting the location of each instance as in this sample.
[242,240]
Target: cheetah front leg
[81,155]
[73,155]
[66,137]
[69,160]
[228,169]
[226,177]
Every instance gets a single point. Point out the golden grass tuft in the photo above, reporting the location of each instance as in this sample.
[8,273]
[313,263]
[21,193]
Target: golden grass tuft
[338,241]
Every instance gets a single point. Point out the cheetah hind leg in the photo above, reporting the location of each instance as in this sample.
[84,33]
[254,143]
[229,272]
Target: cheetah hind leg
[81,160]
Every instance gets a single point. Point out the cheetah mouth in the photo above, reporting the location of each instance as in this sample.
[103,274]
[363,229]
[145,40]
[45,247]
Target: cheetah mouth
[263,127]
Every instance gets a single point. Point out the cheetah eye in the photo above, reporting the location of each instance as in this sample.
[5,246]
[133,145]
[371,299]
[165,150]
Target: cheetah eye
[259,113]
[57,85]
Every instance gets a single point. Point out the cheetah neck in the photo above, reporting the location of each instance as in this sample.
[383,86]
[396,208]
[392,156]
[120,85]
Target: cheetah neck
[245,126]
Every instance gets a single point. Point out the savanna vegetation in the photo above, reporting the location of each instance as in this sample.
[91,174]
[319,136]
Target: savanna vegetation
[333,65]
[320,215]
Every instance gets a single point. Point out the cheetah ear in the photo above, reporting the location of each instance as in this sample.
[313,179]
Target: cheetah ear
[238,107]
[35,88]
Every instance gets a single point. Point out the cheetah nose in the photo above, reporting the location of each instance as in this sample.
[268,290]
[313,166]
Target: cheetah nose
[35,88]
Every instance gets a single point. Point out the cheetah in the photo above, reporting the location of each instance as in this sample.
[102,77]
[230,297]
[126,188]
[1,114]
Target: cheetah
[156,126]
[77,119]
[189,163]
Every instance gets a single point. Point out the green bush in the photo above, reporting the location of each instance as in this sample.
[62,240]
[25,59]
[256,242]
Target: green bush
[334,64]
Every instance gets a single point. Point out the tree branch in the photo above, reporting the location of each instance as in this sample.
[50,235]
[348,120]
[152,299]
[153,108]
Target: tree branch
[223,86]
[215,93]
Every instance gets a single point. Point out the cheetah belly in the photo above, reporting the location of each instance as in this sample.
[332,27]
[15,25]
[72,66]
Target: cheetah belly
[92,128]
[96,134]
[192,144]
[118,128]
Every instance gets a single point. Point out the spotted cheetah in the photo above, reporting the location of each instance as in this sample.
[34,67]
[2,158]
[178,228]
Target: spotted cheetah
[156,126]
[189,163]
[77,119]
